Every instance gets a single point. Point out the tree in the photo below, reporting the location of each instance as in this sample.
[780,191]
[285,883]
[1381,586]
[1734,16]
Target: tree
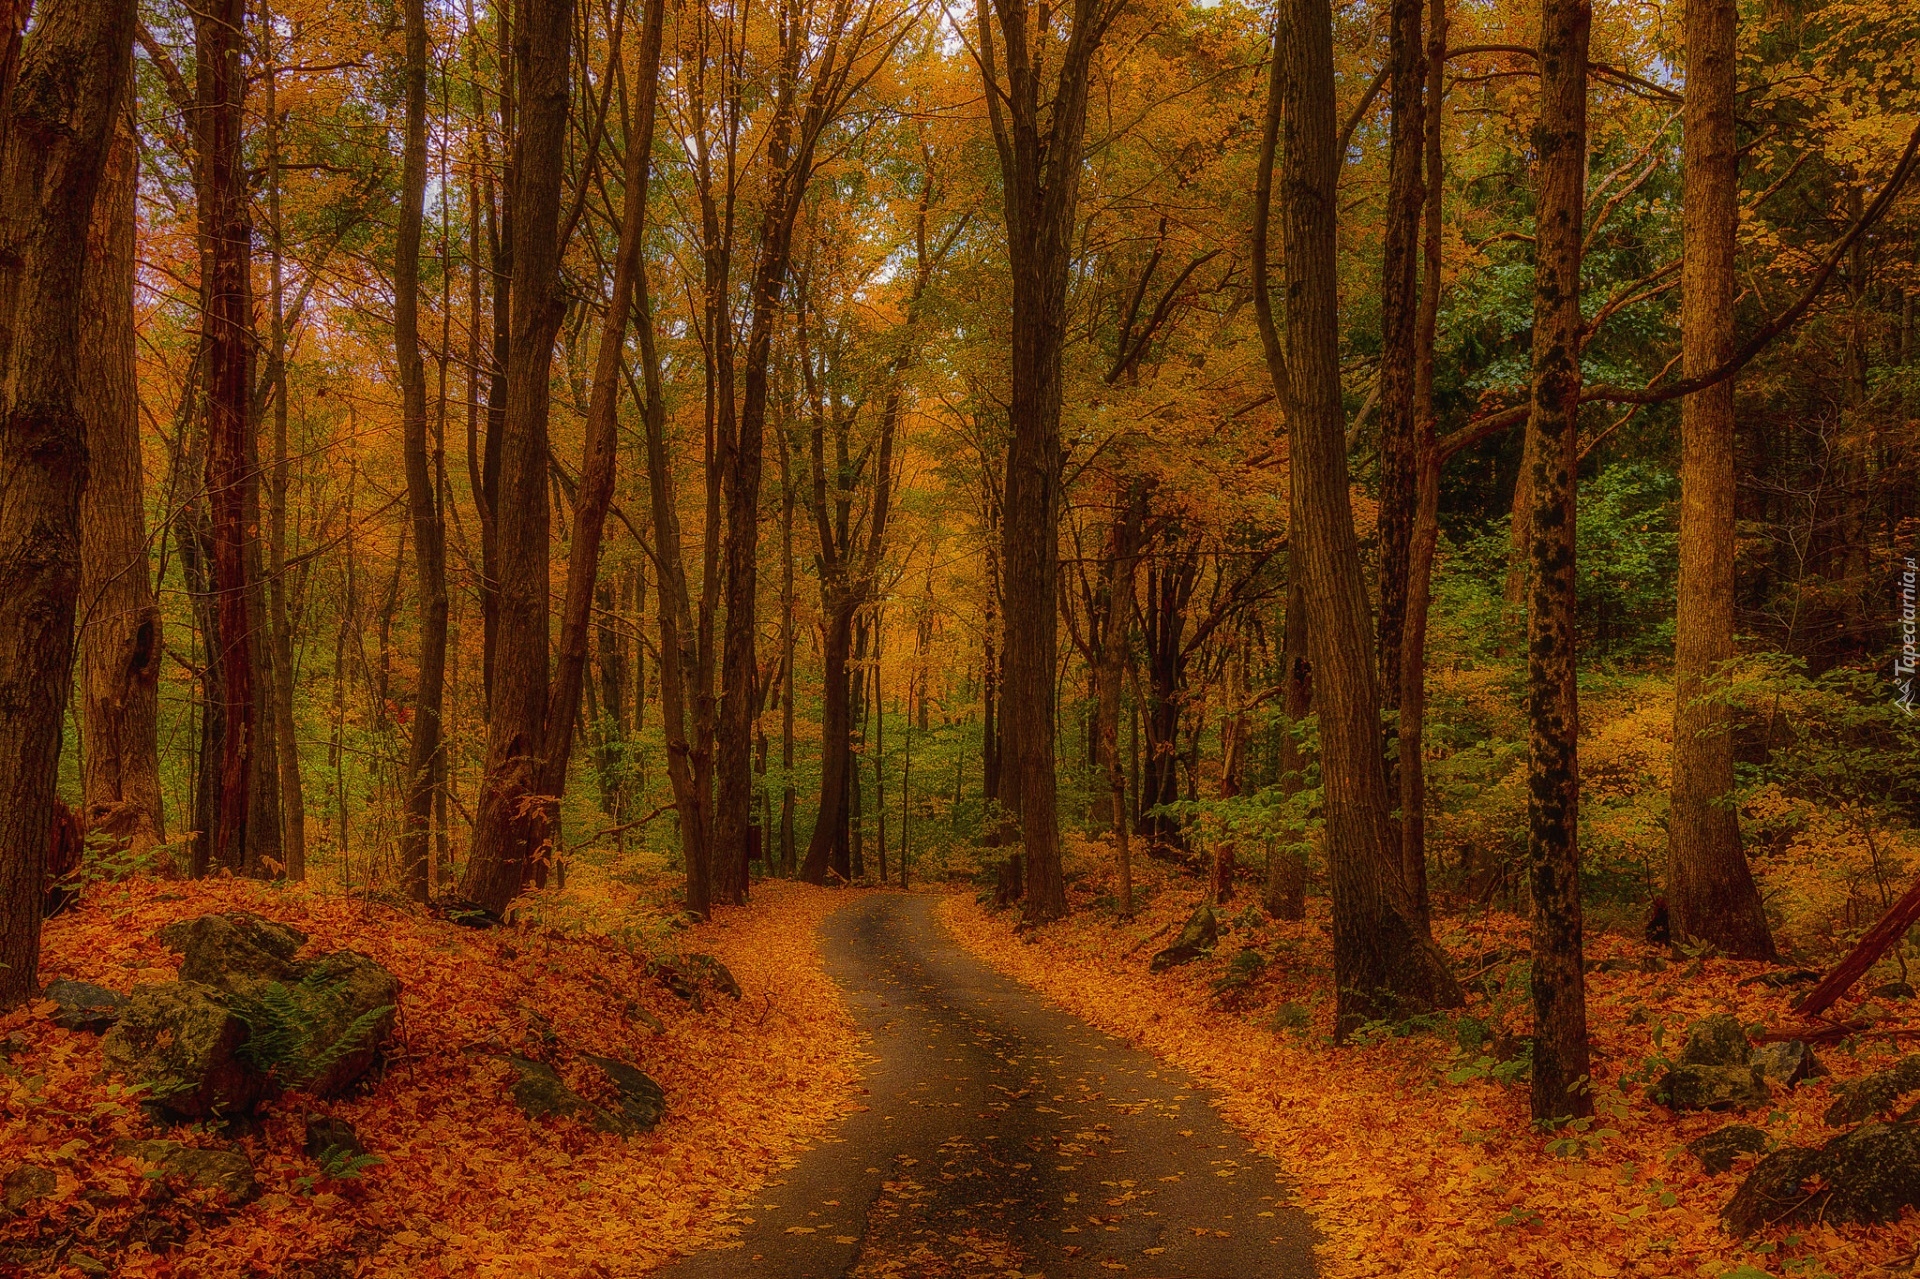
[1039,146]
[510,824]
[1560,1082]
[120,645]
[1384,963]
[423,509]
[1710,887]
[69,90]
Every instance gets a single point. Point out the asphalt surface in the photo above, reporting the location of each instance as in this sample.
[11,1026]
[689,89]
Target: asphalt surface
[1003,1137]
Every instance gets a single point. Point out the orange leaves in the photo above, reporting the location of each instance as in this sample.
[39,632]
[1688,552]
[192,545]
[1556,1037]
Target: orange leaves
[467,1186]
[1407,1174]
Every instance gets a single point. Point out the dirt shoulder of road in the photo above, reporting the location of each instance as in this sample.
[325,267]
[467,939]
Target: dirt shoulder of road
[1411,1157]
[467,1185]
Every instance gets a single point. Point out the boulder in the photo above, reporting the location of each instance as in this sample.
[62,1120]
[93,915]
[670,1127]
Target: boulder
[1864,1098]
[688,976]
[226,1171]
[1786,1064]
[1893,990]
[333,1137]
[1712,1088]
[1867,1175]
[334,1021]
[23,1186]
[1719,1149]
[1718,1040]
[235,950]
[467,914]
[642,1101]
[1196,939]
[83,1005]
[183,1040]
[542,1094]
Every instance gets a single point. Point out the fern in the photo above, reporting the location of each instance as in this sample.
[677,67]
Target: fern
[287,1033]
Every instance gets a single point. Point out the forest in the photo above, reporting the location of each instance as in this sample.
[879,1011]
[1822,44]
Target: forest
[1366,549]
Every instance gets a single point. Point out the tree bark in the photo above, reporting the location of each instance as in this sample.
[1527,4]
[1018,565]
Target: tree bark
[72,75]
[510,826]
[1710,887]
[1286,893]
[226,233]
[1384,964]
[1040,162]
[423,508]
[120,621]
[1553,714]
[293,804]
[1426,505]
[1399,302]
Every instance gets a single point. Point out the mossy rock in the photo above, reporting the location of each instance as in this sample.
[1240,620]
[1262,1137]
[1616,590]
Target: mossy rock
[642,1101]
[540,1093]
[1720,1149]
[1874,1094]
[1867,1175]
[23,1186]
[184,1041]
[226,1171]
[1688,1088]
[1718,1040]
[1196,939]
[84,1006]
[234,950]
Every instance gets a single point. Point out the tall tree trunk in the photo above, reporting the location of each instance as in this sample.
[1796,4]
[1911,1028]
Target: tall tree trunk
[1040,163]
[120,622]
[70,89]
[602,434]
[423,508]
[1399,301]
[510,825]
[1710,887]
[1384,964]
[293,804]
[1553,453]
[1426,505]
[1116,642]
[226,231]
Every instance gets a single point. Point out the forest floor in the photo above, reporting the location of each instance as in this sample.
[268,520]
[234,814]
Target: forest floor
[466,1186]
[1408,1151]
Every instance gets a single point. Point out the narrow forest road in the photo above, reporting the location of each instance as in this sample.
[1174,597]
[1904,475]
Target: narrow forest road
[1003,1137]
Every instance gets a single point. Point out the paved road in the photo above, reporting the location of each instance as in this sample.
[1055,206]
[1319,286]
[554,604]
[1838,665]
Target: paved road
[1003,1137]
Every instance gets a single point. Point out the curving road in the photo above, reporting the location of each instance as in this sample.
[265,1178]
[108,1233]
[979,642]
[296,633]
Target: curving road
[1003,1137]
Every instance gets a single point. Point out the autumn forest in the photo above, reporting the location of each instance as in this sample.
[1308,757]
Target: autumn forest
[555,553]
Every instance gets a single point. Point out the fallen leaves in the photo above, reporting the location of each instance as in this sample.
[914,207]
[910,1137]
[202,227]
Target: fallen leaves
[467,1186]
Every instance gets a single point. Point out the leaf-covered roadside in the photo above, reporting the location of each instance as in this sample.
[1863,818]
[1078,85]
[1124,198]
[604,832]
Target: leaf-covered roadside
[1411,1152]
[466,1185]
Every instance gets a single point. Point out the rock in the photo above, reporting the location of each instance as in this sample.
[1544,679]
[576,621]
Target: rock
[1195,940]
[687,976]
[1719,1149]
[1782,978]
[183,1040]
[1865,1175]
[467,914]
[226,1171]
[235,950]
[344,1013]
[634,1012]
[1688,1087]
[542,1094]
[326,1136]
[1613,965]
[642,1101]
[1864,1098]
[83,1005]
[1654,964]
[1892,990]
[24,1185]
[1786,1064]
[1717,1040]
